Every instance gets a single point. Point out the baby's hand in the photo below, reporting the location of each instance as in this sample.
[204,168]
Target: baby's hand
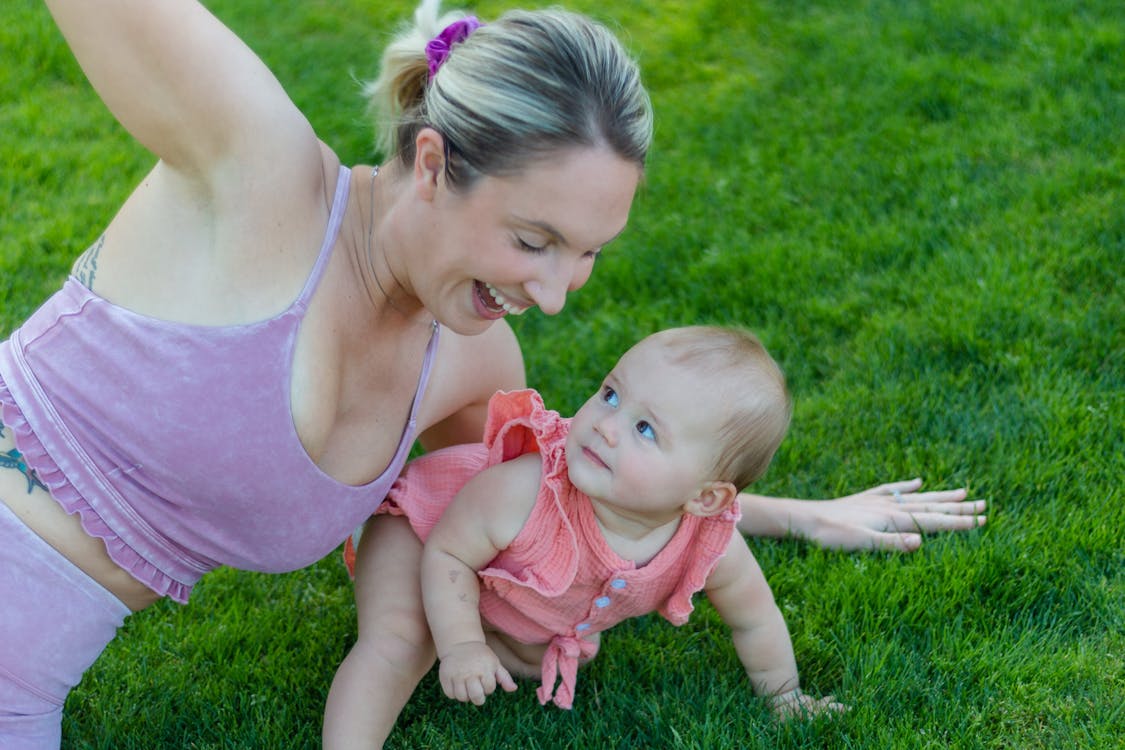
[470,671]
[796,703]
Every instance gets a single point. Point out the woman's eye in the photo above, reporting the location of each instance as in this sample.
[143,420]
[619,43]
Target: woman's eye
[645,430]
[609,396]
[528,247]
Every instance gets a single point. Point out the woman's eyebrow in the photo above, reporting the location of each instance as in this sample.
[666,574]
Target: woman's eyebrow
[558,236]
[544,227]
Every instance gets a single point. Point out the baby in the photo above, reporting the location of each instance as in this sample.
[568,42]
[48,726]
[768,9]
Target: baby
[554,530]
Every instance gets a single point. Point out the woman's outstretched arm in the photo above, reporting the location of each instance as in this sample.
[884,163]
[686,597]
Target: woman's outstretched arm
[892,516]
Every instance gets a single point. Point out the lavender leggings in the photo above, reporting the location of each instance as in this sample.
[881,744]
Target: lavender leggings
[54,622]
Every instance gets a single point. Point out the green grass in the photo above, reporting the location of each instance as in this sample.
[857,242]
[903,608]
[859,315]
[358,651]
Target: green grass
[917,205]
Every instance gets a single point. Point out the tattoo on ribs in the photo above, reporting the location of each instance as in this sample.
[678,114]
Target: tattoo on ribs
[87,266]
[13,459]
[454,575]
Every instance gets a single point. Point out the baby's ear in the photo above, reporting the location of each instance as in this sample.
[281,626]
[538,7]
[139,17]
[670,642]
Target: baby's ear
[714,497]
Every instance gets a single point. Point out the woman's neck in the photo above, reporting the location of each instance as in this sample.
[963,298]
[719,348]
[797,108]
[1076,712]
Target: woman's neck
[390,301]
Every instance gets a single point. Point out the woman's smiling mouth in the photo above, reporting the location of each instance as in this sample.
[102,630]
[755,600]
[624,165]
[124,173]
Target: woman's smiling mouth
[494,301]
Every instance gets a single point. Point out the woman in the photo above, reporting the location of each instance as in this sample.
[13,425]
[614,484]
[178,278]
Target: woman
[260,328]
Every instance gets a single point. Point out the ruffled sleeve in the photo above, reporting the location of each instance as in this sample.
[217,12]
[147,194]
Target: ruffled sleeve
[519,423]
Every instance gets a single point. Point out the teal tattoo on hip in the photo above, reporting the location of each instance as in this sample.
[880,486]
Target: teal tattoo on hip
[87,265]
[13,459]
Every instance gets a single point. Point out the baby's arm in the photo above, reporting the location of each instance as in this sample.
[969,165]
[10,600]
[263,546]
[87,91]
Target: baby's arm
[739,591]
[483,519]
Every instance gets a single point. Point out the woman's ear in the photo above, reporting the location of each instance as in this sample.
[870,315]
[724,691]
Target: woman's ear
[713,498]
[429,162]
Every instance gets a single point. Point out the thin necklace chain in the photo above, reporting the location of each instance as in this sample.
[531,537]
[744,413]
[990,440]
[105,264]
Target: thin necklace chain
[370,257]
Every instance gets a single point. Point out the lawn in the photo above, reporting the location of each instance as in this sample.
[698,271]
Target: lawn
[919,207]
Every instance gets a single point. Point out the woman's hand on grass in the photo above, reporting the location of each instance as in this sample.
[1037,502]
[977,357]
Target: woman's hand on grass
[891,516]
[894,516]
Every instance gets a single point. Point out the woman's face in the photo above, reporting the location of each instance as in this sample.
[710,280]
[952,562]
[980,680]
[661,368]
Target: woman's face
[511,243]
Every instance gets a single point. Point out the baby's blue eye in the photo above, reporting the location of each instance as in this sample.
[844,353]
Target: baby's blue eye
[645,429]
[609,396]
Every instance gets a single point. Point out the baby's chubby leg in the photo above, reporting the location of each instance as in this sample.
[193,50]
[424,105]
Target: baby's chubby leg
[393,650]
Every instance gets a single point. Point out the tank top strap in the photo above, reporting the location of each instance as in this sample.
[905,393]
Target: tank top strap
[427,365]
[335,219]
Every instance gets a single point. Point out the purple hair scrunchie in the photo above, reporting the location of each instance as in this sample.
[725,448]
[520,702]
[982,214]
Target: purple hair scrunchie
[438,48]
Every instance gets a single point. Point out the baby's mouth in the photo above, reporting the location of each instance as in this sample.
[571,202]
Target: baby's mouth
[594,458]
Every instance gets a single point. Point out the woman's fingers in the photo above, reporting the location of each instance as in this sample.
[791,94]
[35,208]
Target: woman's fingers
[927,521]
[943,497]
[891,541]
[926,512]
[889,488]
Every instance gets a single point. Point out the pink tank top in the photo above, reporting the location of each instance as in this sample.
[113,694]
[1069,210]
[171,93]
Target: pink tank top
[175,443]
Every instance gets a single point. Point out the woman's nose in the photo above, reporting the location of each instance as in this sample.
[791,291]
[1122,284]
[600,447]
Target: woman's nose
[548,295]
[560,275]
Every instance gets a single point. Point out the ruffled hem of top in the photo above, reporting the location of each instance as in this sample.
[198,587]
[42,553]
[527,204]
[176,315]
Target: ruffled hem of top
[518,423]
[72,501]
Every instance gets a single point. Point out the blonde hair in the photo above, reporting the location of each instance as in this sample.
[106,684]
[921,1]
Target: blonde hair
[736,365]
[518,89]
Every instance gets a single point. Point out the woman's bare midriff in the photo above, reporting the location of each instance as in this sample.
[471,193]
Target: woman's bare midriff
[43,515]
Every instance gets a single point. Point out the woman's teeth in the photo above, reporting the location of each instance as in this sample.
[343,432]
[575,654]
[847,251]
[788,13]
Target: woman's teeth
[502,301]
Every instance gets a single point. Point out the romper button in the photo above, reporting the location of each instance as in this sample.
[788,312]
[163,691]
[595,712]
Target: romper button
[617,583]
[583,626]
[601,601]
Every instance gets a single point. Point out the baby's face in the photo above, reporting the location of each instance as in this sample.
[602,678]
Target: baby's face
[645,442]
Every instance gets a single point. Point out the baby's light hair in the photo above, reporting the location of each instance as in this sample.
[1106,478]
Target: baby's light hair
[734,363]
[517,90]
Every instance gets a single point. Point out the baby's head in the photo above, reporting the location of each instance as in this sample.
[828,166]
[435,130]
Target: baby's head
[686,418]
[741,388]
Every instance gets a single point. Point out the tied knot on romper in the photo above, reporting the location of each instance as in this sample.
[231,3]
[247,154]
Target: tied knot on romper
[561,660]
